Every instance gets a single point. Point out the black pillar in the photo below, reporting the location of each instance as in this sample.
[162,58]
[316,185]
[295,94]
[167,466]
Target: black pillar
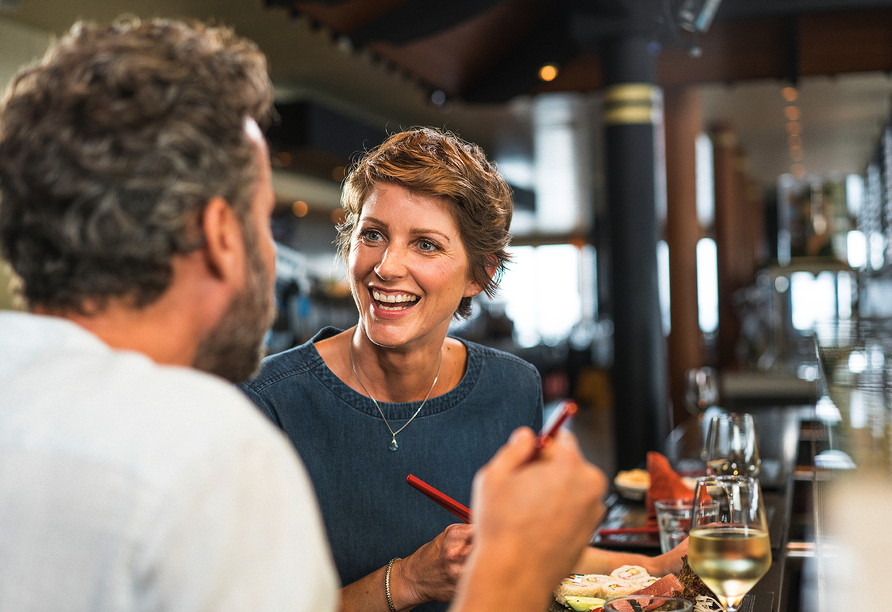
[632,111]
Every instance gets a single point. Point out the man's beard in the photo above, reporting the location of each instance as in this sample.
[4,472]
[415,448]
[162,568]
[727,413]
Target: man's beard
[234,348]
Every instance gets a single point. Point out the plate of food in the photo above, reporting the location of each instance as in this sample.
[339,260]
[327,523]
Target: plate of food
[588,592]
[632,484]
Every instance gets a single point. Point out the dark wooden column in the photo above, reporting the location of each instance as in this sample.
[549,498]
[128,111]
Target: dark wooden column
[730,239]
[632,107]
[683,121]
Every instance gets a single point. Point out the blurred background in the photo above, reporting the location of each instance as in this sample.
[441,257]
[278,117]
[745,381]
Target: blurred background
[697,182]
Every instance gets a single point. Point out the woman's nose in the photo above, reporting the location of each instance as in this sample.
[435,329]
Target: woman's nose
[392,264]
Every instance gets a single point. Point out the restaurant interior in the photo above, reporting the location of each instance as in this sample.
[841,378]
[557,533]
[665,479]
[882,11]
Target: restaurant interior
[702,225]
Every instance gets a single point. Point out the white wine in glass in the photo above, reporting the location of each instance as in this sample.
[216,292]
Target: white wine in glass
[730,550]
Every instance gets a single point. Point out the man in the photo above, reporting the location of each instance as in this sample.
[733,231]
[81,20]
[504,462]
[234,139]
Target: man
[135,199]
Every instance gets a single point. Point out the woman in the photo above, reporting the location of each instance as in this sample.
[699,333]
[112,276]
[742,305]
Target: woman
[426,230]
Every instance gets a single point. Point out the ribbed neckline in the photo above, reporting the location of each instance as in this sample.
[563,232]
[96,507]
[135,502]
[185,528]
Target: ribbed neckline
[394,410]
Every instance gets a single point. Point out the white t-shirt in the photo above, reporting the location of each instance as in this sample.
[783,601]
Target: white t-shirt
[125,485]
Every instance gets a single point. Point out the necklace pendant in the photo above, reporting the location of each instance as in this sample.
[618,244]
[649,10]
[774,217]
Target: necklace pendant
[393,444]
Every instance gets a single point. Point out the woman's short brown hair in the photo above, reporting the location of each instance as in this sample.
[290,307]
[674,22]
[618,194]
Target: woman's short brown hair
[439,164]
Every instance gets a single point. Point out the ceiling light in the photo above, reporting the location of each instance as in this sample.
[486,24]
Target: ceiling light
[794,127]
[790,94]
[300,208]
[796,154]
[794,140]
[792,113]
[548,72]
[696,15]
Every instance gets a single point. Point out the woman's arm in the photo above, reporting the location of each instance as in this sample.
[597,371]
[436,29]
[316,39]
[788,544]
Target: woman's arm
[600,561]
[429,574]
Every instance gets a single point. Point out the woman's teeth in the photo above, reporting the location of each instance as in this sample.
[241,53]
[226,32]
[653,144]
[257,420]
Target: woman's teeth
[400,301]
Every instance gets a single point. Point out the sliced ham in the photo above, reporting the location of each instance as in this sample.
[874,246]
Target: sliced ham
[665,586]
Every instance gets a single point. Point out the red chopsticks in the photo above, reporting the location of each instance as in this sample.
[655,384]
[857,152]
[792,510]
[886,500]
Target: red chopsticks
[567,409]
[441,498]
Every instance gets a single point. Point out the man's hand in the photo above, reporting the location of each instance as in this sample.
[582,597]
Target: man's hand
[532,519]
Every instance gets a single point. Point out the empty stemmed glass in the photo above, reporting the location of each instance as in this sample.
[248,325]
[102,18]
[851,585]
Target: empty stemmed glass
[701,389]
[729,549]
[731,448]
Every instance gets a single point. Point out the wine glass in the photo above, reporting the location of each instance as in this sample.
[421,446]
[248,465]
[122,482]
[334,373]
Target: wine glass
[701,389]
[731,448]
[728,547]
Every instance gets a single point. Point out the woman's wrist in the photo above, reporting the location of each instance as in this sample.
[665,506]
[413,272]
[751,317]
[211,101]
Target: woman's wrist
[403,595]
[387,592]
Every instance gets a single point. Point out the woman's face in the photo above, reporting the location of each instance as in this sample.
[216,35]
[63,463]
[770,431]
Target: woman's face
[408,267]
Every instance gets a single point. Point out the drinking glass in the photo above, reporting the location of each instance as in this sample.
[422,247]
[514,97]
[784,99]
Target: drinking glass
[701,389]
[731,448]
[673,521]
[729,549]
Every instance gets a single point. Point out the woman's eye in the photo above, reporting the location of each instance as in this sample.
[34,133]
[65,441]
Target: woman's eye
[370,235]
[427,245]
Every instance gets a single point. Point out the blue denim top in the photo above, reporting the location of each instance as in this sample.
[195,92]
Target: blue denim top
[370,513]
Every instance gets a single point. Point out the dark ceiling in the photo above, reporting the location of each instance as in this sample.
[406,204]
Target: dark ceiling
[491,50]
[375,66]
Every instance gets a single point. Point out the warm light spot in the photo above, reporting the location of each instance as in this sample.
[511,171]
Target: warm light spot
[548,72]
[790,94]
[794,140]
[792,113]
[338,216]
[794,127]
[338,173]
[798,170]
[300,208]
[796,154]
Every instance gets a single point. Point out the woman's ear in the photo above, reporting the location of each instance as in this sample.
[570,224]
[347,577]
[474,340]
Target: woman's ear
[474,287]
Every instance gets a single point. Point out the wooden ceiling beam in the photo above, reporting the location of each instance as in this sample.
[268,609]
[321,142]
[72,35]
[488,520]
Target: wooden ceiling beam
[827,43]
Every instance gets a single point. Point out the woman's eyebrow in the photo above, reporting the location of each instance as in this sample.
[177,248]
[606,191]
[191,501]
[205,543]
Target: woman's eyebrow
[417,231]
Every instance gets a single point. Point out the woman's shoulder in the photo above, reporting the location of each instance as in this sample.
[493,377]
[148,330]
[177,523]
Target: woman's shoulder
[497,358]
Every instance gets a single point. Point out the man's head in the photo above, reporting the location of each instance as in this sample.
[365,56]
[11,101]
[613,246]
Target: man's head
[110,150]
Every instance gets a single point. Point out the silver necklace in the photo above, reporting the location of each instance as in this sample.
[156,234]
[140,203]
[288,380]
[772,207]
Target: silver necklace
[393,445]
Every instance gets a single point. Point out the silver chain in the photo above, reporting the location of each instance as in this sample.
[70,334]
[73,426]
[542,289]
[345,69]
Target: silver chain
[393,444]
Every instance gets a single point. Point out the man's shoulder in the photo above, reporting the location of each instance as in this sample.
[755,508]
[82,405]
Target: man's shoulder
[120,409]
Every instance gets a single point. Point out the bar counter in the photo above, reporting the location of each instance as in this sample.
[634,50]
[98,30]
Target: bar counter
[852,473]
[778,433]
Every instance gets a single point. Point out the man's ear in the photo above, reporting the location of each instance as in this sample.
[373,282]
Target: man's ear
[223,240]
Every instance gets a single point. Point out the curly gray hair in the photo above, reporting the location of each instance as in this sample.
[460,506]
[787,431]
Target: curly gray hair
[111,147]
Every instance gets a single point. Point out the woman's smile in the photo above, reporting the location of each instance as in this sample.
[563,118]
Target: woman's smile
[391,301]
